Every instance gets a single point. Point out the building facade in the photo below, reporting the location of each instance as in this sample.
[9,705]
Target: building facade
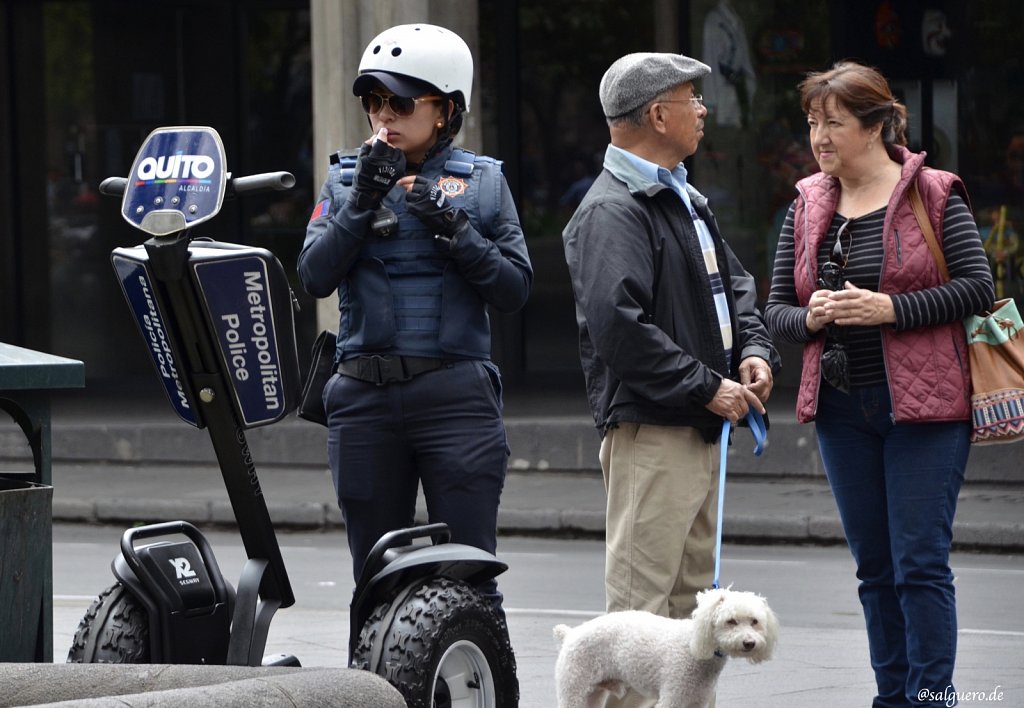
[84,81]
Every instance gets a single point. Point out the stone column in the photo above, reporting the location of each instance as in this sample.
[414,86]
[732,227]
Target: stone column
[341,29]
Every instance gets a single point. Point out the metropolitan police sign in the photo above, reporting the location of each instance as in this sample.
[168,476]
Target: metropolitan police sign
[139,288]
[252,327]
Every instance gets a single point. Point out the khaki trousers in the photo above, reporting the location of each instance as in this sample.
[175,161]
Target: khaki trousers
[661,522]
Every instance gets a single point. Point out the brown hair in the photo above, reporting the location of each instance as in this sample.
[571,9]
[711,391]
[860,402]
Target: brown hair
[864,92]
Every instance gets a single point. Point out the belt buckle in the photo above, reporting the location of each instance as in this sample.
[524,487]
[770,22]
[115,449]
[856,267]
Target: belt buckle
[387,369]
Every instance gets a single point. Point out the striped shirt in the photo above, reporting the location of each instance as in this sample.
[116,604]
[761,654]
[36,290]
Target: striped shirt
[965,293]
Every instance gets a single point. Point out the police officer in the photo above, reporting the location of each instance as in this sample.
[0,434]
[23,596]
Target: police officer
[418,238]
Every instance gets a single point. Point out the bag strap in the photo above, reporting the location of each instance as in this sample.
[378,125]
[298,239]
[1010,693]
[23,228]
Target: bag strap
[926,228]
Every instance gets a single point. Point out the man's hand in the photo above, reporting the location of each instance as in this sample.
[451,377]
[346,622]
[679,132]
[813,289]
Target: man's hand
[428,203]
[756,375]
[733,400]
[378,168]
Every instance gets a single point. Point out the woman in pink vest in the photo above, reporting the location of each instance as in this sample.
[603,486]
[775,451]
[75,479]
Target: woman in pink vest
[885,374]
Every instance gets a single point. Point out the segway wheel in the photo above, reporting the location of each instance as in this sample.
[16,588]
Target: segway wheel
[115,630]
[442,646]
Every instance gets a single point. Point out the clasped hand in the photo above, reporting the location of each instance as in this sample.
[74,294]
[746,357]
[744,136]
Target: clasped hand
[849,306]
[734,399]
[428,203]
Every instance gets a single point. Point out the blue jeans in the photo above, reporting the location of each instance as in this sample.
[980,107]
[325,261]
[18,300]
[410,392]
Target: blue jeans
[896,487]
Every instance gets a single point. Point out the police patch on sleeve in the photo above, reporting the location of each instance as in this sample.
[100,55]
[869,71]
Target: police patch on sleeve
[321,209]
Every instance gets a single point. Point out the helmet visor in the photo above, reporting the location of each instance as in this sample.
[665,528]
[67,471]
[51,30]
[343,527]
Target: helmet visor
[396,83]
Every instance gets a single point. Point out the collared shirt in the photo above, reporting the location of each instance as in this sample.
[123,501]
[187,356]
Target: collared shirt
[640,175]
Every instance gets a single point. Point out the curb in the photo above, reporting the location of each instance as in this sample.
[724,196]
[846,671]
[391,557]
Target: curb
[167,686]
[304,516]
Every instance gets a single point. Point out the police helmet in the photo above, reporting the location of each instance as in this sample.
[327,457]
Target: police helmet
[406,56]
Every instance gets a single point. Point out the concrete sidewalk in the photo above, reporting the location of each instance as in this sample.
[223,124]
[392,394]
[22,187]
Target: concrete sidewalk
[558,503]
[127,460]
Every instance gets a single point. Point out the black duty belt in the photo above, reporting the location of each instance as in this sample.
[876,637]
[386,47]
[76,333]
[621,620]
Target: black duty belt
[383,369]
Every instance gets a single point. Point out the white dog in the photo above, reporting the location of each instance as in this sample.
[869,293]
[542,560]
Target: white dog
[675,661]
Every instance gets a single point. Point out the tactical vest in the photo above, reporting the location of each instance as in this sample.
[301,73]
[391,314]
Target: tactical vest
[404,295]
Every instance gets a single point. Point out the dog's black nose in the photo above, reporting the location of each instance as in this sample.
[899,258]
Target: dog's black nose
[748,645]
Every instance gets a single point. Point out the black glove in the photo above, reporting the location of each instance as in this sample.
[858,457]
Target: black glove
[428,203]
[378,168]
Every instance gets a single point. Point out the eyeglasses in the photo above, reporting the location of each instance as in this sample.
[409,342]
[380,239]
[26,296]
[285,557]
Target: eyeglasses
[697,100]
[400,105]
[835,362]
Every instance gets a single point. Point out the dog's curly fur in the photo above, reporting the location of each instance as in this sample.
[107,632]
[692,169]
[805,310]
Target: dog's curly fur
[676,661]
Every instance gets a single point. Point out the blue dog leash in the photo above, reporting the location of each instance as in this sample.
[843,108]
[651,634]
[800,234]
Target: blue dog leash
[757,427]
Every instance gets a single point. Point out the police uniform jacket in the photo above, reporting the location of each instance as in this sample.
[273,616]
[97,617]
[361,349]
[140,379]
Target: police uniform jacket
[409,293]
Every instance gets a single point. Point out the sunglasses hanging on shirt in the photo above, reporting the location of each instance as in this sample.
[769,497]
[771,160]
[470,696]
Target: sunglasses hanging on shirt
[835,361]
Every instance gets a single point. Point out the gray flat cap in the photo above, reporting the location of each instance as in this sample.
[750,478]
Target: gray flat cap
[635,79]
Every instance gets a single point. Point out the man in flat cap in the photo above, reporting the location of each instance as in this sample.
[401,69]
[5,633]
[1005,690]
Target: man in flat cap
[671,340]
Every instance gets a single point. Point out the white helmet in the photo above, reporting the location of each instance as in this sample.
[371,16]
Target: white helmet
[426,53]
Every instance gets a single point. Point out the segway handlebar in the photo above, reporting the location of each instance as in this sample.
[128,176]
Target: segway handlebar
[250,184]
[263,182]
[114,186]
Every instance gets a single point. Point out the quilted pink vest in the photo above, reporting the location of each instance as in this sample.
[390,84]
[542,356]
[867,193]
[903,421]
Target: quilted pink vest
[927,368]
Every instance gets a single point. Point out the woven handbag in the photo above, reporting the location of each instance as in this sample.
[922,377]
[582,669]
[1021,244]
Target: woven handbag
[996,355]
[996,349]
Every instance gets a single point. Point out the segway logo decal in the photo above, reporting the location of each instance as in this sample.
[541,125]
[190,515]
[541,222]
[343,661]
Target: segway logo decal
[186,169]
[452,186]
[183,571]
[179,172]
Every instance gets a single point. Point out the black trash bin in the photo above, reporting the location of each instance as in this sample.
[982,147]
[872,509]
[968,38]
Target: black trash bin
[26,528]
[27,379]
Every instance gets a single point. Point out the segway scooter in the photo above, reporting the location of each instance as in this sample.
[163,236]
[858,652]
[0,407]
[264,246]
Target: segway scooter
[217,319]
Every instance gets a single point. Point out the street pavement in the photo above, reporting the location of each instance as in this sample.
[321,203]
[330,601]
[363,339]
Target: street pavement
[133,463]
[821,659]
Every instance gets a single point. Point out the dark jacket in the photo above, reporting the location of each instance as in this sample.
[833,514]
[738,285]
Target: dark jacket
[409,293]
[649,339]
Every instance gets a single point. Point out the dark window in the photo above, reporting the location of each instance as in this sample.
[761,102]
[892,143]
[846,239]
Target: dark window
[242,68]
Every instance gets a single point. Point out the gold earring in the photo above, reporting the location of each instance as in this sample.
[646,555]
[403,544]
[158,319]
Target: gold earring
[439,124]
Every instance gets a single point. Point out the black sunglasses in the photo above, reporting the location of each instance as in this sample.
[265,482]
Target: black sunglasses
[835,362]
[832,274]
[400,105]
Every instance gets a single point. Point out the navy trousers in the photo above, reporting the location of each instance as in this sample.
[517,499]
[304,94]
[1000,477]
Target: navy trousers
[443,430]
[896,488]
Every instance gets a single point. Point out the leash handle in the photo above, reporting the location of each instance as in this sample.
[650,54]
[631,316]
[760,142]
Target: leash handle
[760,432]
[758,428]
